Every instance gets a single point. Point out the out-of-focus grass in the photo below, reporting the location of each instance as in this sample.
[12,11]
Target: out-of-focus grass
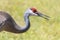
[40,29]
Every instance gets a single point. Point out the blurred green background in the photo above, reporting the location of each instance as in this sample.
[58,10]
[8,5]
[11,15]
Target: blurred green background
[40,29]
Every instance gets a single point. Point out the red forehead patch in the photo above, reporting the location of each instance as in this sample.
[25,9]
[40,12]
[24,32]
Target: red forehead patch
[34,9]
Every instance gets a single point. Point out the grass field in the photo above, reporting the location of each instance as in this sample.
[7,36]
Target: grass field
[40,29]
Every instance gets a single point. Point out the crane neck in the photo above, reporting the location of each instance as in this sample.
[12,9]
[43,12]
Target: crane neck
[27,26]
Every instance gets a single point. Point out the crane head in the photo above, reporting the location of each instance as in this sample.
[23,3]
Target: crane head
[34,12]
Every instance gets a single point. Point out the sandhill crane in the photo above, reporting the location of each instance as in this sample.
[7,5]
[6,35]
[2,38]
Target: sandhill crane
[7,23]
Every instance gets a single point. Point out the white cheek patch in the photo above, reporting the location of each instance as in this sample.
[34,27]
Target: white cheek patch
[34,14]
